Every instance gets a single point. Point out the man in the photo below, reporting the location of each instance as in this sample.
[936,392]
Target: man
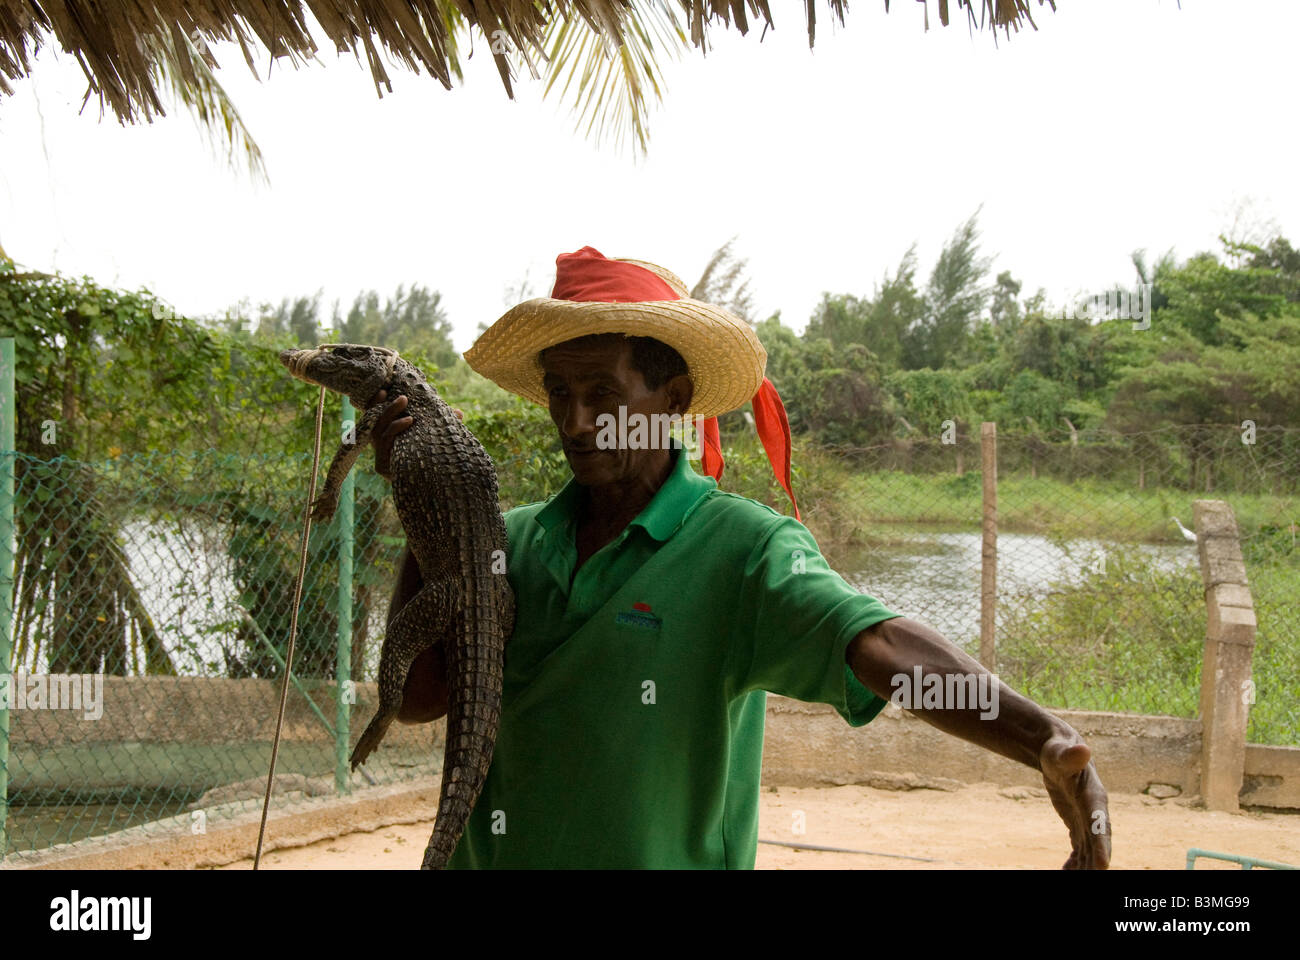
[655,610]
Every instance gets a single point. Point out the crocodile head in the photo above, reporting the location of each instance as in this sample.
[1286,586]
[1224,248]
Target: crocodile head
[356,370]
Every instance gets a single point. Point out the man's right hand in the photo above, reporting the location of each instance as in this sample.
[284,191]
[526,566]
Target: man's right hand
[387,427]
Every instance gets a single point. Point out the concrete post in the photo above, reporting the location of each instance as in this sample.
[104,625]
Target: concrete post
[1226,686]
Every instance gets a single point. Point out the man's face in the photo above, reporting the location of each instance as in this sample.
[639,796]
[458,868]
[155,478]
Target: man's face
[585,380]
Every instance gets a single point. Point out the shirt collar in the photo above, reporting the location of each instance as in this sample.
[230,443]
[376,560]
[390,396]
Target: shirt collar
[660,517]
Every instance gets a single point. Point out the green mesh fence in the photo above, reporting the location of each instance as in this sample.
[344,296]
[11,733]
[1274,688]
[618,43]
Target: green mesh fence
[152,607]
[1100,602]
[168,577]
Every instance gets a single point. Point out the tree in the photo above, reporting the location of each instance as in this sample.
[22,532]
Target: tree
[954,300]
[1005,311]
[1056,348]
[840,319]
[1251,377]
[297,319]
[409,321]
[123,413]
[929,397]
[832,392]
[1279,260]
[878,322]
[724,284]
[785,361]
[846,404]
[1032,396]
[1202,291]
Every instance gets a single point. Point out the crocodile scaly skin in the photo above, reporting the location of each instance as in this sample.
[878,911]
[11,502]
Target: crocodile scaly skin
[445,491]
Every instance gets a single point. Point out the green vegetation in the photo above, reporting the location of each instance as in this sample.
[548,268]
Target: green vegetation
[1222,340]
[1128,638]
[1104,432]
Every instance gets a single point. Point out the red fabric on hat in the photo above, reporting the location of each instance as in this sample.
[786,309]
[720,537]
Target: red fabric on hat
[587,275]
[774,430]
[711,443]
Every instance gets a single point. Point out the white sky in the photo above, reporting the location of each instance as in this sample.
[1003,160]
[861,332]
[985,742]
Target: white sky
[1119,124]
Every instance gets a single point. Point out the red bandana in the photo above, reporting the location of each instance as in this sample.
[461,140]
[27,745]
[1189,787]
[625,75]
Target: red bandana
[587,276]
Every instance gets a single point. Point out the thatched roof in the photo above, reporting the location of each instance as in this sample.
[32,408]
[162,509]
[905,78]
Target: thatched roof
[119,43]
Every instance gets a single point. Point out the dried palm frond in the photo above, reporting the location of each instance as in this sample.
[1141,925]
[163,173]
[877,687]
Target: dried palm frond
[123,48]
[187,68]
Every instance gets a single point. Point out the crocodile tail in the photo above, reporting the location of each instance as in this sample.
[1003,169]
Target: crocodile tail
[474,670]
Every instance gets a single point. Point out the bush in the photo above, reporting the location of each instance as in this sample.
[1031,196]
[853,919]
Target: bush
[1127,636]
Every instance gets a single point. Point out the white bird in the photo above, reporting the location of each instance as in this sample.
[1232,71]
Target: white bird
[1187,534]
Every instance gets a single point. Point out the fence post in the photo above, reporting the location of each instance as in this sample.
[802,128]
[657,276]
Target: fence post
[1226,686]
[6,572]
[1074,449]
[989,547]
[343,649]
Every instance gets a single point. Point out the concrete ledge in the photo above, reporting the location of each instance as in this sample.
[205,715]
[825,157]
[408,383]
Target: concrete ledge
[809,744]
[169,844]
[1272,777]
[187,735]
[189,710]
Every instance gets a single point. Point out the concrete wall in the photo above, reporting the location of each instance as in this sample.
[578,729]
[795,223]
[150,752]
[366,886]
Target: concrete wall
[808,744]
[158,730]
[171,845]
[193,734]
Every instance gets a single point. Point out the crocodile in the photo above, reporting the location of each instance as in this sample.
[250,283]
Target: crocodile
[445,491]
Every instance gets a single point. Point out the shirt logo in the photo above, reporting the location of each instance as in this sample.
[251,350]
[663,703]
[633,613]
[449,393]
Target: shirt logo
[639,616]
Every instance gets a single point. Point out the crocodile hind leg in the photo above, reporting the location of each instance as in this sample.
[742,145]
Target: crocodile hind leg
[418,626]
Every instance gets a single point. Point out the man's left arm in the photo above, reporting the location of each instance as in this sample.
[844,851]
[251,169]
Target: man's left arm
[882,655]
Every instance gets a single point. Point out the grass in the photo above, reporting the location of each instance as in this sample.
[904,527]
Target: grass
[1128,638]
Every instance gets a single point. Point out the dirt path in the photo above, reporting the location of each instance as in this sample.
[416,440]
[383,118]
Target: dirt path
[977,826]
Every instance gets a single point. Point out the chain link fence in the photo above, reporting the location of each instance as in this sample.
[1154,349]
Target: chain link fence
[1100,602]
[152,604]
[169,577]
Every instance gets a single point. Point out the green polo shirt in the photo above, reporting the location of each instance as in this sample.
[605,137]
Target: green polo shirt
[633,705]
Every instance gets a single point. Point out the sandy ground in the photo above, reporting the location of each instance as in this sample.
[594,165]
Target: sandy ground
[978,826]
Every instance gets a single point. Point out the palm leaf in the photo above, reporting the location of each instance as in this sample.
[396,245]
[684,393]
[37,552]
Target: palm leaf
[610,94]
[178,64]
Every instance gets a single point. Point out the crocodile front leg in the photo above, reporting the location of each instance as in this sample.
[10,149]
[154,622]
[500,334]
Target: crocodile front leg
[324,506]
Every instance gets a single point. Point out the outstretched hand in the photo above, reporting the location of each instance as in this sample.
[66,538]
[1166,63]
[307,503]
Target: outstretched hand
[1079,798]
[388,426]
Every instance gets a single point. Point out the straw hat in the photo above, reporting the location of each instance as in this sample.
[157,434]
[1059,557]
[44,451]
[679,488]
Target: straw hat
[594,294]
